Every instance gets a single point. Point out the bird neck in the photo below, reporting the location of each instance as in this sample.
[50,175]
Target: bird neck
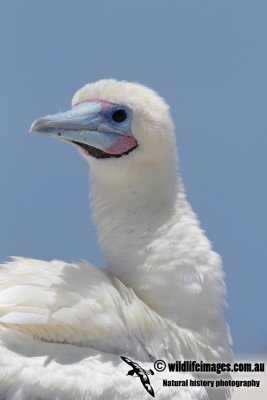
[128,215]
[153,243]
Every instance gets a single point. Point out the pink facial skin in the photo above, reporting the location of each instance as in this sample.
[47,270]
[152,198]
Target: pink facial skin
[123,145]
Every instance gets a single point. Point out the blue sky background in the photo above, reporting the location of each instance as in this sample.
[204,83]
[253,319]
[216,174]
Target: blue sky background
[208,59]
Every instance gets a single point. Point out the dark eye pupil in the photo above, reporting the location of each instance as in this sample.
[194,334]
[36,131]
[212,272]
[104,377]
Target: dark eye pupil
[119,115]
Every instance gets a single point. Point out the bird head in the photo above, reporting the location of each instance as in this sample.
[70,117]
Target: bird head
[115,124]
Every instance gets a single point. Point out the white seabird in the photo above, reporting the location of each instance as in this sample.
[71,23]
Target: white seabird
[64,327]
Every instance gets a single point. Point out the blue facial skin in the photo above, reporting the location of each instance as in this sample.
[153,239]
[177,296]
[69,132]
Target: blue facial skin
[91,123]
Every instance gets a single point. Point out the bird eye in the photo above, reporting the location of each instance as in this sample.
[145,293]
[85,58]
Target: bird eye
[119,115]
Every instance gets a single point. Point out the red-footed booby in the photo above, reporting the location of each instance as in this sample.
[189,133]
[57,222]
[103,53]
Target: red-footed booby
[67,329]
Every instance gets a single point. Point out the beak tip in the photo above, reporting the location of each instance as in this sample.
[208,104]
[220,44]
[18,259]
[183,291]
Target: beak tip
[38,125]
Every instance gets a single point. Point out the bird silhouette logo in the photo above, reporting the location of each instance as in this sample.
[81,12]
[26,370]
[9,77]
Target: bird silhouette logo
[141,373]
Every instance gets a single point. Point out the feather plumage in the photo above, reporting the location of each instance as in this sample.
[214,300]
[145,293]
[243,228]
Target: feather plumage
[64,327]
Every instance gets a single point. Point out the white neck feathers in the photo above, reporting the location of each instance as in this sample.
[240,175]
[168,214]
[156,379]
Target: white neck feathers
[153,243]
